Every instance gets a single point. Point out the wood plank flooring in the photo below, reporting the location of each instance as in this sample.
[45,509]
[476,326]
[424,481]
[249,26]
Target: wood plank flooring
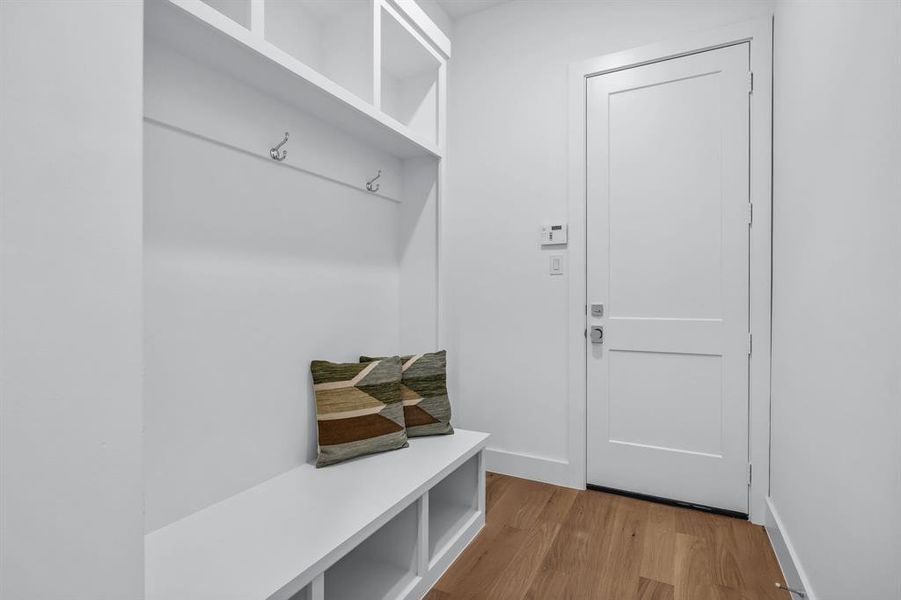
[543,542]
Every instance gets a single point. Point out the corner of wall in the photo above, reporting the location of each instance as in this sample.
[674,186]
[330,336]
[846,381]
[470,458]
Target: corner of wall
[792,570]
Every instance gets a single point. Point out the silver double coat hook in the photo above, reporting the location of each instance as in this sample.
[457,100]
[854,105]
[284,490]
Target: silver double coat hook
[274,152]
[373,188]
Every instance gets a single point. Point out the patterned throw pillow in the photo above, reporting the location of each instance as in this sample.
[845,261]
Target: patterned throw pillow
[358,408]
[423,387]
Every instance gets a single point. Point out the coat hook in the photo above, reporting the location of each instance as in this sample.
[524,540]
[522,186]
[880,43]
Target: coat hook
[373,188]
[273,152]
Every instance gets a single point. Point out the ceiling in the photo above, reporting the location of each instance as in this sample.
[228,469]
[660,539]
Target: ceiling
[460,8]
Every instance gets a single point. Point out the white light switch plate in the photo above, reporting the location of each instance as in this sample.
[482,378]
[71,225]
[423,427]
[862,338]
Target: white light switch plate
[556,264]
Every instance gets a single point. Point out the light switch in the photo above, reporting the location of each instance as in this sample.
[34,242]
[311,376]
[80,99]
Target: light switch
[556,264]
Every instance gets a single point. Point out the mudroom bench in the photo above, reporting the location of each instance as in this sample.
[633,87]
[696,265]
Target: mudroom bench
[382,527]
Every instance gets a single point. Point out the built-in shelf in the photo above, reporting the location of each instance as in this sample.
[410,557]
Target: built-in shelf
[446,521]
[334,38]
[453,503]
[348,531]
[409,76]
[380,568]
[214,33]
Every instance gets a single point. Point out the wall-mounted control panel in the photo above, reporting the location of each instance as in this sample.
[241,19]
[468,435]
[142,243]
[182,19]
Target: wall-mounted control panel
[553,234]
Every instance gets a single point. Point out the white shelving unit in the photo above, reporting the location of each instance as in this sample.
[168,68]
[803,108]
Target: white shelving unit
[323,57]
[384,527]
[382,567]
[334,38]
[410,73]
[453,504]
[360,529]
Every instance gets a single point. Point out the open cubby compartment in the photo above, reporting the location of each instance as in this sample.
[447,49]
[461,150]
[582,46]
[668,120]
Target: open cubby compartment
[334,38]
[409,78]
[453,503]
[383,566]
[305,594]
[236,10]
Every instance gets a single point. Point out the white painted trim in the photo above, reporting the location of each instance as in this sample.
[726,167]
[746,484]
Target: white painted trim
[792,571]
[377,56]
[422,543]
[440,200]
[415,32]
[528,466]
[257,19]
[317,588]
[425,25]
[759,34]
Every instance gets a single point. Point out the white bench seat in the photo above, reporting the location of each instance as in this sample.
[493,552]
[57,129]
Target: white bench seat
[295,535]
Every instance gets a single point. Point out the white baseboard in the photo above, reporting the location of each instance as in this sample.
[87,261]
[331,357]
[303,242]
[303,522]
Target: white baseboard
[527,466]
[792,570]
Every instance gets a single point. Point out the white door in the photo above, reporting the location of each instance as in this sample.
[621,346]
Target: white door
[668,251]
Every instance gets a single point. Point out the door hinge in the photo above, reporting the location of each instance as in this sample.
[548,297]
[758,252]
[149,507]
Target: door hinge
[750,474]
[750,213]
[750,343]
[750,82]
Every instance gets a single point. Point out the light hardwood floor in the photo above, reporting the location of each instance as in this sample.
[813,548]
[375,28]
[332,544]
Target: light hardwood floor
[543,542]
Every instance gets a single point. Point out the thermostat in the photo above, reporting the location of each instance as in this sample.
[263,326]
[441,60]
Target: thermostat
[552,235]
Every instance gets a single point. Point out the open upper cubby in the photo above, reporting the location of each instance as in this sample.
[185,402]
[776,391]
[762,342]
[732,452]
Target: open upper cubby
[453,503]
[236,10]
[339,94]
[334,38]
[409,78]
[381,567]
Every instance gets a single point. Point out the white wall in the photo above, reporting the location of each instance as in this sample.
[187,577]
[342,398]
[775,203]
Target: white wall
[836,399]
[417,251]
[506,317]
[253,269]
[70,304]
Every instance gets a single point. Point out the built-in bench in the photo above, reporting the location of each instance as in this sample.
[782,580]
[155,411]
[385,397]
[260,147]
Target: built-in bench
[384,526]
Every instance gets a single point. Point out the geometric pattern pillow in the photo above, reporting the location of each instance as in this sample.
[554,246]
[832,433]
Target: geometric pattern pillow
[359,409]
[427,409]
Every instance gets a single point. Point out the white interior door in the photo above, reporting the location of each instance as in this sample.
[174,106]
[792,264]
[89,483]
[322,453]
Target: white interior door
[668,250]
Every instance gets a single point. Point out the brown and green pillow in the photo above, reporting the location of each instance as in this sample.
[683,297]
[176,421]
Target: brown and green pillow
[359,408]
[427,409]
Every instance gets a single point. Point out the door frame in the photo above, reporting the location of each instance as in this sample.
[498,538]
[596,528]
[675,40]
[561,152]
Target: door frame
[759,36]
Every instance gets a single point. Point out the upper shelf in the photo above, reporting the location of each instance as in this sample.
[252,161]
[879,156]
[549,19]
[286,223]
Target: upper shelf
[409,76]
[224,42]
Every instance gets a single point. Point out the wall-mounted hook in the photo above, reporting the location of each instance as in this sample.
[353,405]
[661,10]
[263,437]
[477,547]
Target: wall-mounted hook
[273,152]
[373,188]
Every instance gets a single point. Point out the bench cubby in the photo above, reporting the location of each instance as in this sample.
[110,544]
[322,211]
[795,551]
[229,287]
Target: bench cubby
[453,503]
[383,566]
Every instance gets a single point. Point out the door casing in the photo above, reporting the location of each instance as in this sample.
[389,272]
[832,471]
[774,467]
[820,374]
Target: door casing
[758,34]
